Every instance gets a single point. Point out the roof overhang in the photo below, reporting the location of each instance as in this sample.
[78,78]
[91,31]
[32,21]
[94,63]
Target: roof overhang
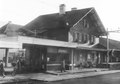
[19,41]
[99,23]
[93,49]
[97,49]
[46,42]
[4,44]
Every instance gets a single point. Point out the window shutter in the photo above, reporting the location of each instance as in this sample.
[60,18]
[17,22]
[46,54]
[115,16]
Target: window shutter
[80,37]
[85,37]
[75,36]
[92,39]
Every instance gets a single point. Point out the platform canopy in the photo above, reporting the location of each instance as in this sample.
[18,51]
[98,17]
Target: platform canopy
[5,44]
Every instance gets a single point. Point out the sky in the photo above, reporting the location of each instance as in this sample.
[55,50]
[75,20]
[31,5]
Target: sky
[23,11]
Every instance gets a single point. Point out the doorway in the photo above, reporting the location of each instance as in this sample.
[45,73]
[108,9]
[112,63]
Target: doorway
[36,58]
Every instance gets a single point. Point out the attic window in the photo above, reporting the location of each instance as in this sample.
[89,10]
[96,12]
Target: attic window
[85,23]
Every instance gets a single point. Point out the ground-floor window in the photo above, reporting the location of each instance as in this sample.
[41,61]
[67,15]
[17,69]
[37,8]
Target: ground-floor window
[88,58]
[2,55]
[14,55]
[54,60]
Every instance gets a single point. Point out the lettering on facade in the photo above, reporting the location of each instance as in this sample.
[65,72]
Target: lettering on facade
[62,51]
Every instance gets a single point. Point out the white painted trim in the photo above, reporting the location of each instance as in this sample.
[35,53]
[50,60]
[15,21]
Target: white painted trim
[18,41]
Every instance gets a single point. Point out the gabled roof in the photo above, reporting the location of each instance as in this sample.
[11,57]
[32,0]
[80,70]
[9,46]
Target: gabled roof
[3,28]
[113,44]
[53,21]
[9,27]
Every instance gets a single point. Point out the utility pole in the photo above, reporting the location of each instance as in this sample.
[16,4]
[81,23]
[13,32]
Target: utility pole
[107,46]
[108,43]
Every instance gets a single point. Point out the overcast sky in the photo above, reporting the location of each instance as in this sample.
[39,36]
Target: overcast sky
[23,11]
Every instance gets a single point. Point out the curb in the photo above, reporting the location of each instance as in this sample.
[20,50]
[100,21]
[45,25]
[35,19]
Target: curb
[73,76]
[52,78]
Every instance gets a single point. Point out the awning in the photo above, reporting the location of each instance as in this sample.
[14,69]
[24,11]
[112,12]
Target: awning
[19,41]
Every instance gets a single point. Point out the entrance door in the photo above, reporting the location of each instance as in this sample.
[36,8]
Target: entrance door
[43,59]
[38,59]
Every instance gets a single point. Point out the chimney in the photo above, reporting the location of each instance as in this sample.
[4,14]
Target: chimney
[74,8]
[9,22]
[62,9]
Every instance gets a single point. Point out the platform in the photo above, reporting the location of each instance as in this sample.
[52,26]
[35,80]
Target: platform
[47,77]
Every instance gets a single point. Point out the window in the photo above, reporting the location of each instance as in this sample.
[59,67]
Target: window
[85,23]
[75,37]
[85,38]
[80,37]
[92,39]
[14,55]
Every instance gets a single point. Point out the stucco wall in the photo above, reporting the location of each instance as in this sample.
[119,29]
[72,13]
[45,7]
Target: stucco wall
[2,54]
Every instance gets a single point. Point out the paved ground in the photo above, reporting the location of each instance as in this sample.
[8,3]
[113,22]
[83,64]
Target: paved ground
[57,76]
[70,76]
[113,78]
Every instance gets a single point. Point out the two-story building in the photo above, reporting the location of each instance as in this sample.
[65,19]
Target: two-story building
[68,35]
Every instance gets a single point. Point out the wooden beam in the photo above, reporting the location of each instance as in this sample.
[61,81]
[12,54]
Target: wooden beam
[6,56]
[72,59]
